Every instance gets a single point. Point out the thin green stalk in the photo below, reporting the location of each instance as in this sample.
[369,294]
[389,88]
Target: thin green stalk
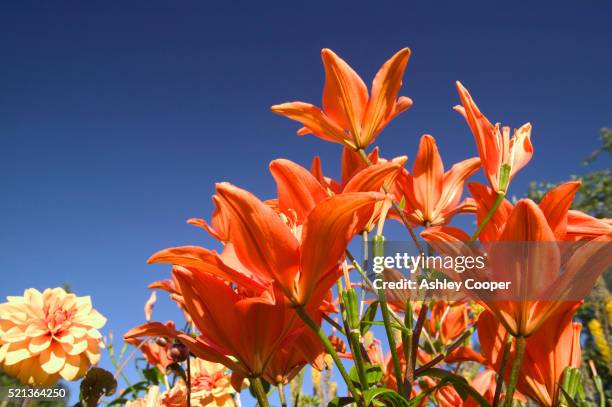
[407,345]
[358,358]
[281,395]
[391,339]
[348,306]
[417,331]
[489,216]
[260,394]
[516,368]
[188,381]
[441,356]
[330,349]
[502,370]
[378,249]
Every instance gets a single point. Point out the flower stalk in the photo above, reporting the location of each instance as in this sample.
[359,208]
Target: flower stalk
[329,348]
[489,215]
[378,250]
[516,368]
[260,394]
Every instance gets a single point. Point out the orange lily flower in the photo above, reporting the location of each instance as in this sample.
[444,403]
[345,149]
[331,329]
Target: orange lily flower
[432,195]
[155,354]
[548,352]
[218,227]
[226,319]
[502,156]
[301,259]
[353,167]
[447,321]
[555,346]
[267,247]
[350,116]
[566,224]
[528,257]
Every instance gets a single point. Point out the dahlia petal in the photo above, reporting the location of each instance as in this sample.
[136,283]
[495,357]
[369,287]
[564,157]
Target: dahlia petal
[36,329]
[94,334]
[14,334]
[72,368]
[17,352]
[76,348]
[93,351]
[96,320]
[52,359]
[39,344]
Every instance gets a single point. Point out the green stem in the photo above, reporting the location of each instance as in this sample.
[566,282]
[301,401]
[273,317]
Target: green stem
[391,339]
[281,395]
[259,392]
[188,381]
[329,347]
[354,339]
[407,346]
[502,370]
[516,368]
[441,356]
[348,306]
[489,216]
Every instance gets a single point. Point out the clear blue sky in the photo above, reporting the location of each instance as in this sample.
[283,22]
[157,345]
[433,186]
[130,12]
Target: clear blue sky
[117,118]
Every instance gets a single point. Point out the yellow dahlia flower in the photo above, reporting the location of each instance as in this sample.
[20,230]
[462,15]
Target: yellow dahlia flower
[48,335]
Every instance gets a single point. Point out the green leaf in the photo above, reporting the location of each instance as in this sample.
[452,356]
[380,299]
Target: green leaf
[459,383]
[97,384]
[393,397]
[402,203]
[426,393]
[374,375]
[368,317]
[153,375]
[340,401]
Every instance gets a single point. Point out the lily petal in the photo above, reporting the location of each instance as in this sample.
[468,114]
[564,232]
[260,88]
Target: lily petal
[298,189]
[345,96]
[262,242]
[314,120]
[327,232]
[383,103]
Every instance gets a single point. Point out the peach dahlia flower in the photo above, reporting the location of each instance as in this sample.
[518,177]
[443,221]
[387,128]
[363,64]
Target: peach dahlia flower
[48,335]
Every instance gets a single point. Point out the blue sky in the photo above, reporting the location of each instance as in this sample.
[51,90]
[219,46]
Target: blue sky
[116,119]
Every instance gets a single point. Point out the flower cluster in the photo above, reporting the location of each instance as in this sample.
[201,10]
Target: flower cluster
[281,290]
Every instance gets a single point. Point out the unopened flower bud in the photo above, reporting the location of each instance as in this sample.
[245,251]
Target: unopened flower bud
[178,352]
[161,341]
